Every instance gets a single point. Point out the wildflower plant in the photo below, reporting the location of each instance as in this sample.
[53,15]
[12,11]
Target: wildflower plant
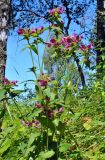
[50,102]
[49,120]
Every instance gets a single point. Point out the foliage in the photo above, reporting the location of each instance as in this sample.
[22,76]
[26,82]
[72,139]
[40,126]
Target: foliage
[63,120]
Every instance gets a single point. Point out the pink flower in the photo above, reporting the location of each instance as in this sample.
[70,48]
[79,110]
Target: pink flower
[49,113]
[62,22]
[48,44]
[64,40]
[38,105]
[55,25]
[69,40]
[20,31]
[34,123]
[14,82]
[67,46]
[27,123]
[6,82]
[40,28]
[47,98]
[51,12]
[60,10]
[42,83]
[75,38]
[55,11]
[90,46]
[60,110]
[52,40]
[83,47]
[33,30]
[58,44]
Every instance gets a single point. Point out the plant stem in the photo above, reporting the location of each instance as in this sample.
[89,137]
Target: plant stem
[39,59]
[45,50]
[47,140]
[32,60]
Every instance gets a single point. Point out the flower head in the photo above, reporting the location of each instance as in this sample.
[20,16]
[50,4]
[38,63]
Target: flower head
[42,82]
[55,12]
[60,110]
[6,82]
[38,105]
[21,31]
[49,113]
[40,28]
[52,40]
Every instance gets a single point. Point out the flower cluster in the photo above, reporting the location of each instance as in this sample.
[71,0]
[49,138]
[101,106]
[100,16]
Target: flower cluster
[33,123]
[38,105]
[69,41]
[86,48]
[43,80]
[49,112]
[6,82]
[33,31]
[56,25]
[66,41]
[55,12]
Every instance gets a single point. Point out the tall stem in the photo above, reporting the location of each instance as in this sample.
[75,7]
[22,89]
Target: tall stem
[45,50]
[47,139]
[39,59]
[32,60]
[80,70]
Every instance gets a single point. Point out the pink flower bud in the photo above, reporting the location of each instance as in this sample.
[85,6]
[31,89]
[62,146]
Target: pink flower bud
[32,31]
[48,44]
[49,113]
[42,83]
[14,82]
[38,105]
[52,40]
[20,31]
[40,28]
[60,110]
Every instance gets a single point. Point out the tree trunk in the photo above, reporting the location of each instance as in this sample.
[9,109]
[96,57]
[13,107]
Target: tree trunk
[100,37]
[4,21]
[4,26]
[80,70]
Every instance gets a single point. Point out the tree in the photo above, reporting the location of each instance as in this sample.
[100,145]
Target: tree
[4,25]
[100,36]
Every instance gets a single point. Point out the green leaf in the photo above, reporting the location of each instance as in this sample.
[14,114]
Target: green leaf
[47,154]
[31,139]
[33,48]
[16,92]
[29,150]
[33,69]
[8,111]
[50,94]
[56,122]
[2,94]
[46,122]
[87,126]
[64,147]
[5,146]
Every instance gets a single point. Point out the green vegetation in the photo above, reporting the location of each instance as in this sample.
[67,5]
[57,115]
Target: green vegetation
[64,119]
